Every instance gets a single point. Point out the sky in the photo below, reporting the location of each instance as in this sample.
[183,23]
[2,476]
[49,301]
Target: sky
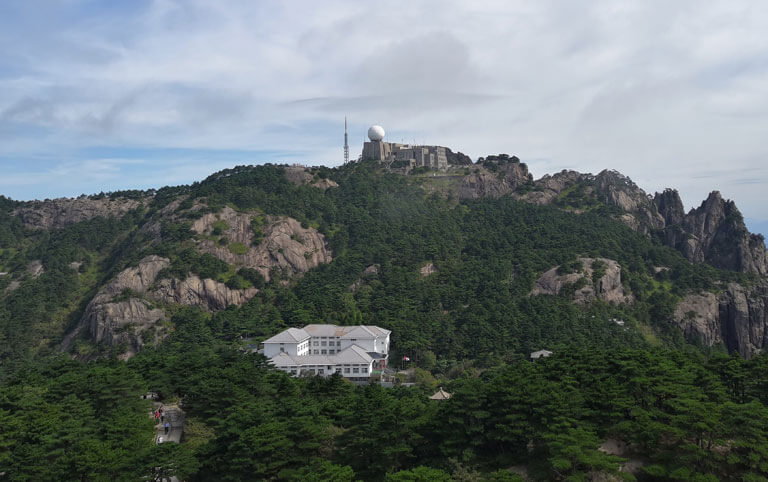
[103,95]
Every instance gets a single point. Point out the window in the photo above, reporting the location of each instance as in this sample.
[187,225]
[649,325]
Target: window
[346,369]
[355,370]
[331,352]
[323,343]
[314,343]
[338,343]
[314,352]
[323,352]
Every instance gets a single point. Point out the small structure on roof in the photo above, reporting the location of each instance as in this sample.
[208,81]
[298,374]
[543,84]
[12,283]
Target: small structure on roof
[440,395]
[540,354]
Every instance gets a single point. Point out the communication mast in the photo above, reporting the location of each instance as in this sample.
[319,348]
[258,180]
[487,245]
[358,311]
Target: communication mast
[346,144]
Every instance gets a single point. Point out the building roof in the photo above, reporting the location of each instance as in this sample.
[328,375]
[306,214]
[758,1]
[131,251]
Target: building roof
[440,395]
[325,330]
[348,356]
[540,354]
[291,335]
[346,332]
[358,332]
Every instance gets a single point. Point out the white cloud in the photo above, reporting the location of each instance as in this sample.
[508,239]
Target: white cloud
[664,92]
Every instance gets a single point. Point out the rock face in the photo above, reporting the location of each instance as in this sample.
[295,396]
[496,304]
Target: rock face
[670,206]
[607,287]
[496,182]
[59,213]
[697,315]
[737,317]
[457,158]
[427,269]
[117,314]
[208,294]
[285,245]
[715,233]
[549,187]
[122,311]
[615,189]
[300,175]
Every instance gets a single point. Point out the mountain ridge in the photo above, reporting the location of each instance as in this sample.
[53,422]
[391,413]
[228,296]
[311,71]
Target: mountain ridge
[224,233]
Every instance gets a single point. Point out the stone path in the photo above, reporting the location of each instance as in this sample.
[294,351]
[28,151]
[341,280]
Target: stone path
[175,417]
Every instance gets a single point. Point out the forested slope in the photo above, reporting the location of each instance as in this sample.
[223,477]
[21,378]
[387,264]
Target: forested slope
[452,278]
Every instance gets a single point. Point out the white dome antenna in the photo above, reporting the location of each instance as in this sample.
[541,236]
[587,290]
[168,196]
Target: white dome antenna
[376,133]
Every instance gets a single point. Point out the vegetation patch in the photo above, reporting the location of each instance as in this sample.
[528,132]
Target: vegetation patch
[237,248]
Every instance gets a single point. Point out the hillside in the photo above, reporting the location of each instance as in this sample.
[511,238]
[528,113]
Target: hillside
[471,269]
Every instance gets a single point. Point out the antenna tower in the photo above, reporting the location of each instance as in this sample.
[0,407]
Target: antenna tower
[346,144]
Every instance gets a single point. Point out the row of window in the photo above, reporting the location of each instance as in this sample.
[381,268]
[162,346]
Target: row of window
[347,369]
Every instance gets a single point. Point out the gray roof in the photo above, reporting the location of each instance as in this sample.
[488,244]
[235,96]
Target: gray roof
[291,335]
[346,332]
[359,332]
[325,330]
[540,354]
[352,354]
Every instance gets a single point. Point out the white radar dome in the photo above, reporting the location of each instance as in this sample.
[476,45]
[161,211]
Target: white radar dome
[375,133]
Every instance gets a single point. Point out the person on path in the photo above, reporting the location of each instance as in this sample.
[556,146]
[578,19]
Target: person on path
[157,415]
[167,427]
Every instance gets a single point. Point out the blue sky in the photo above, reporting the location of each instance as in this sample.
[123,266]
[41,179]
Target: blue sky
[102,95]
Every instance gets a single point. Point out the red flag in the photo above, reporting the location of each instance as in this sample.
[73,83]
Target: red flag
[405,358]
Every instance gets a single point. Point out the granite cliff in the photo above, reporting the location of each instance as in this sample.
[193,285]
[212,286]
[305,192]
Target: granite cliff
[592,278]
[281,243]
[737,317]
[127,311]
[59,213]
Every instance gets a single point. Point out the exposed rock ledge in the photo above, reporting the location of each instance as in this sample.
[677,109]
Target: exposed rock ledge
[737,317]
[122,312]
[285,244]
[59,213]
[607,288]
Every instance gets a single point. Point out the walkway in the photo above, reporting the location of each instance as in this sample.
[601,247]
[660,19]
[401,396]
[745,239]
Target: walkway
[175,417]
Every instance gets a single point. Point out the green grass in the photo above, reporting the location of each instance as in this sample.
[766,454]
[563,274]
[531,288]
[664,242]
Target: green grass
[237,248]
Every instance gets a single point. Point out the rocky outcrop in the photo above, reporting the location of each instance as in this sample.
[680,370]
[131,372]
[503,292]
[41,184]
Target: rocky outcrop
[122,312]
[670,206]
[698,316]
[35,268]
[737,317]
[427,269]
[208,294]
[118,314]
[715,233]
[493,180]
[285,245]
[457,158]
[548,188]
[59,213]
[640,212]
[300,175]
[583,282]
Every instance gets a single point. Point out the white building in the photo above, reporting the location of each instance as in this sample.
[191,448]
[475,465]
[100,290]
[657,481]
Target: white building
[352,351]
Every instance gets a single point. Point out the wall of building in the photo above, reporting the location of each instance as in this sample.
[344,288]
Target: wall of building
[295,349]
